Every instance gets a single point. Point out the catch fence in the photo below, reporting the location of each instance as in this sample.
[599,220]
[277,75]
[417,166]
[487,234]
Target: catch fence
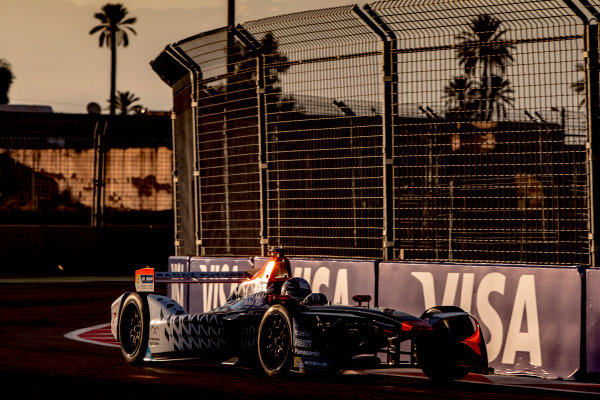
[424,130]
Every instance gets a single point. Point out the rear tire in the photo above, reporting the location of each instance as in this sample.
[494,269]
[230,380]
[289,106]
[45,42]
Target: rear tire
[275,341]
[435,353]
[133,328]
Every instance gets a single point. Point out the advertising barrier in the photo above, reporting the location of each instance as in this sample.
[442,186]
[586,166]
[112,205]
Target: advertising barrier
[530,316]
[592,328]
[179,291]
[205,297]
[339,280]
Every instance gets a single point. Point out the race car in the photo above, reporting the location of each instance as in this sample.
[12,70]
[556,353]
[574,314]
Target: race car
[277,319]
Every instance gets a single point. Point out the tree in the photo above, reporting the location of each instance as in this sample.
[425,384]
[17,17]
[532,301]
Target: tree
[579,86]
[113,29]
[500,95]
[483,54]
[124,102]
[461,99]
[275,62]
[6,79]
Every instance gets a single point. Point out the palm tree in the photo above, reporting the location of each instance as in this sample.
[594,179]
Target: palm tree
[500,95]
[276,63]
[461,98]
[579,86]
[6,79]
[483,53]
[113,28]
[124,101]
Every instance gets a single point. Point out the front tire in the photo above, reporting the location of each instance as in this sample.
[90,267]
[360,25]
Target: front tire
[275,341]
[133,328]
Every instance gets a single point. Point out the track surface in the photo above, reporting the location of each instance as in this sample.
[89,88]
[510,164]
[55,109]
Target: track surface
[38,361]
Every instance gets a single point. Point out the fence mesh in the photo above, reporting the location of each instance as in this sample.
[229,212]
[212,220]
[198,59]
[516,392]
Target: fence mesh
[323,134]
[428,130]
[227,144]
[494,168]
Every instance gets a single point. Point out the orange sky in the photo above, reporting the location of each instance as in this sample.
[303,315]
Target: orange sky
[57,63]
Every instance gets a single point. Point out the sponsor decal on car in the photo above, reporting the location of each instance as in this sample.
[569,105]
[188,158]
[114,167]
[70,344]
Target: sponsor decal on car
[308,353]
[303,343]
[144,280]
[311,363]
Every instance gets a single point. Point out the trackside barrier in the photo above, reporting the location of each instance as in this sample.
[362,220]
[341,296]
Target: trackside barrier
[591,297]
[339,280]
[201,298]
[205,297]
[530,316]
[179,291]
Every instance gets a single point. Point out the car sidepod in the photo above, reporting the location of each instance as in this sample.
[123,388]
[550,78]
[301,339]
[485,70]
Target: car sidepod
[310,352]
[336,338]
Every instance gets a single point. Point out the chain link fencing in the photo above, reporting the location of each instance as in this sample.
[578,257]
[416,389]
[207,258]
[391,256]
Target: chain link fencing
[424,130]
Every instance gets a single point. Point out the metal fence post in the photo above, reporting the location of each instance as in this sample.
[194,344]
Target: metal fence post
[592,102]
[195,77]
[390,84]
[262,153]
[593,154]
[195,74]
[251,42]
[591,71]
[175,182]
[99,174]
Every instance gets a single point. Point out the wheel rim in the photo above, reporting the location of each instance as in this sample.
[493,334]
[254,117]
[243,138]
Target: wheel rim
[131,335]
[276,343]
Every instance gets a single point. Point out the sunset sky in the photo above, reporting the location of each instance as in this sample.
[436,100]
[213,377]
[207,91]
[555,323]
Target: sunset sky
[57,63]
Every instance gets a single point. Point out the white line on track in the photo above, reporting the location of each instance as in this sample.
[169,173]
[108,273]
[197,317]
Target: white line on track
[98,334]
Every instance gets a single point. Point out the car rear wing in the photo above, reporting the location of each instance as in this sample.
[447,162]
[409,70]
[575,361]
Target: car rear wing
[145,278]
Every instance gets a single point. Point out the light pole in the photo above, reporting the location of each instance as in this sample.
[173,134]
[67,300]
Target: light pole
[230,12]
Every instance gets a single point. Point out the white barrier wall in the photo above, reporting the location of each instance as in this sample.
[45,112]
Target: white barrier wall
[592,301]
[179,291]
[207,296]
[339,280]
[204,297]
[530,316]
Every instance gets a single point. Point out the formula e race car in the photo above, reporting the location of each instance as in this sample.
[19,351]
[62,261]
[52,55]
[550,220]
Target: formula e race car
[276,319]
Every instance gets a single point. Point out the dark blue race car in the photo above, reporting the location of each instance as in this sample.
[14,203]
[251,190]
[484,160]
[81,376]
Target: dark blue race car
[276,318]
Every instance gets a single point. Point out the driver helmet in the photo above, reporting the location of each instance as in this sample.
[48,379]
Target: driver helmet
[296,287]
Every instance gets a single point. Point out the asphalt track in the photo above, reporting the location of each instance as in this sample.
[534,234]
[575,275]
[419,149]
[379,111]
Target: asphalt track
[39,359]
